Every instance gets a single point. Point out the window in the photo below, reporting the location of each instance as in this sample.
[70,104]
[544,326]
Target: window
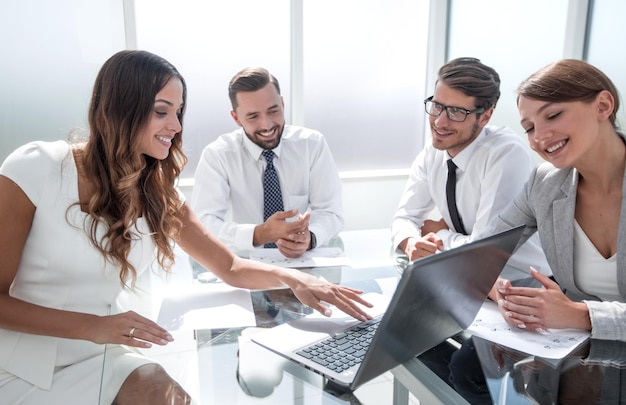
[363,67]
[604,47]
[513,46]
[52,52]
[364,70]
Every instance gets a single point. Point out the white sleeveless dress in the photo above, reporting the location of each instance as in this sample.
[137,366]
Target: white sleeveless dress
[61,269]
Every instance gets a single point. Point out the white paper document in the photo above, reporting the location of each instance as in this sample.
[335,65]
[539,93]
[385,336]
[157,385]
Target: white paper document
[205,306]
[318,257]
[554,344]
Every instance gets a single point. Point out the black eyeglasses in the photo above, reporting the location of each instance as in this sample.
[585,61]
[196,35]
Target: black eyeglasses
[456,114]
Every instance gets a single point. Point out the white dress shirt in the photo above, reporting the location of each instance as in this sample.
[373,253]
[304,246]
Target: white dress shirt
[228,190]
[491,171]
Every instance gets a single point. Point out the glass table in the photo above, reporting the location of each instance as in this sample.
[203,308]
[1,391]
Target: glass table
[594,373]
[234,370]
[230,369]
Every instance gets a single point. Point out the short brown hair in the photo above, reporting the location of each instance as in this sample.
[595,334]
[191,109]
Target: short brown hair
[250,79]
[474,79]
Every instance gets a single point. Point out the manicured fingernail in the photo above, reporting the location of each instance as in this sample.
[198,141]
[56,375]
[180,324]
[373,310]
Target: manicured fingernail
[521,326]
[542,331]
[328,312]
[501,302]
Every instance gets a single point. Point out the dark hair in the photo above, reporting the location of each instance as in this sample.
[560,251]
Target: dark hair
[128,184]
[250,79]
[474,79]
[569,80]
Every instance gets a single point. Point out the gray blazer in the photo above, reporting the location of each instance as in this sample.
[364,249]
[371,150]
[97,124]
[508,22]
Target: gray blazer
[547,204]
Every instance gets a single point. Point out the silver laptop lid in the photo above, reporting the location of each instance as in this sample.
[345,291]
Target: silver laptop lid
[437,297]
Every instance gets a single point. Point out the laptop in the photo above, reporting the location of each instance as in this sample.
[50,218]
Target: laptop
[436,297]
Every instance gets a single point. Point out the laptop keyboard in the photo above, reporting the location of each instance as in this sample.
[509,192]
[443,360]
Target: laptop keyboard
[344,350]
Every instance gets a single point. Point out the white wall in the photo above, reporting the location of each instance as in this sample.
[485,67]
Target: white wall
[370,202]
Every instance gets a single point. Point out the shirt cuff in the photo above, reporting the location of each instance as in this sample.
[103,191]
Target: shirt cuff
[444,235]
[244,237]
[399,237]
[321,235]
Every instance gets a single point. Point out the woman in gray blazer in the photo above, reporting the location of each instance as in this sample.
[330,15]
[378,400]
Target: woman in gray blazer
[576,201]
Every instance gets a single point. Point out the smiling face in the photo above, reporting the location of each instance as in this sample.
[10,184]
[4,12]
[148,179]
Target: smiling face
[261,115]
[164,123]
[563,133]
[450,135]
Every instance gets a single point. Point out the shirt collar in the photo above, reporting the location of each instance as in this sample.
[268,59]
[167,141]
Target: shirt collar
[462,159]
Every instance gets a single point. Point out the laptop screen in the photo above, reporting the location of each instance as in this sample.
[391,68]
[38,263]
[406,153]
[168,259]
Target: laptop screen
[437,297]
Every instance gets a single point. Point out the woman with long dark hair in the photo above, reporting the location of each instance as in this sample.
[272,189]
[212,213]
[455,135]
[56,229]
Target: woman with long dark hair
[82,220]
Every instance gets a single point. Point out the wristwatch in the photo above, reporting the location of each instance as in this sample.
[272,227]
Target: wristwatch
[313,244]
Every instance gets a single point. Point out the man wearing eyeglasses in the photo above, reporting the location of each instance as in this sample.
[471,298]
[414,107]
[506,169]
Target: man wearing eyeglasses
[469,172]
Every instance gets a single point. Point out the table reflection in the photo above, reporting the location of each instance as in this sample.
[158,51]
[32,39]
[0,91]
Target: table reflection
[592,374]
[233,367]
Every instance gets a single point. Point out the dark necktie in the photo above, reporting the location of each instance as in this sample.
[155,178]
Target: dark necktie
[451,197]
[272,196]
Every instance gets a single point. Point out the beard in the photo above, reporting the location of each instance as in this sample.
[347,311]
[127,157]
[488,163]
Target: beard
[459,142]
[266,144]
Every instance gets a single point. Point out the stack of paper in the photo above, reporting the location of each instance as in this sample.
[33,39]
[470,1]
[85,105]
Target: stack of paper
[554,344]
[318,257]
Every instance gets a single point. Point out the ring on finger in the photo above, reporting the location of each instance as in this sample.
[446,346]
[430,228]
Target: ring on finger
[131,334]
